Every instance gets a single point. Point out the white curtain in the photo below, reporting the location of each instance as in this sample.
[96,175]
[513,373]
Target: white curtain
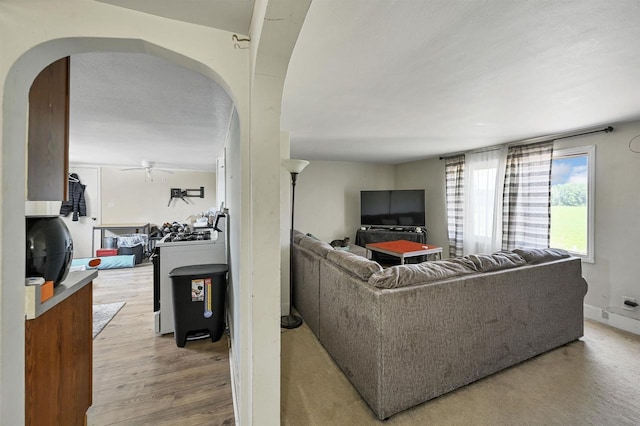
[484,180]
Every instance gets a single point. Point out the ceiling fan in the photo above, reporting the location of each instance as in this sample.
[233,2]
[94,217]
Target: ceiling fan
[148,167]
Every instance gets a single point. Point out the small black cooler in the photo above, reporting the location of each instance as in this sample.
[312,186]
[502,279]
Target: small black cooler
[199,293]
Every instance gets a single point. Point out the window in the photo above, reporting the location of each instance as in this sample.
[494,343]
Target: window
[572,201]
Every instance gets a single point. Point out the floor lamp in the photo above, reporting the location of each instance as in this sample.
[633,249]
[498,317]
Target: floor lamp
[294,167]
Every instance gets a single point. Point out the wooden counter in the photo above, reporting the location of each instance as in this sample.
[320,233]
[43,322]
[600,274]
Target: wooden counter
[59,354]
[74,282]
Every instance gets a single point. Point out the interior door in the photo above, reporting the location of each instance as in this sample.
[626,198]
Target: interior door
[81,230]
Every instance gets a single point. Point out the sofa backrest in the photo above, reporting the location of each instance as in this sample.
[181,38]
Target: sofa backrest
[419,273]
[426,272]
[431,271]
[318,247]
[360,266]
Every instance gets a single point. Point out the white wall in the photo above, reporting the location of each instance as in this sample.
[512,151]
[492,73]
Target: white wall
[428,174]
[237,304]
[285,226]
[616,268]
[328,196]
[130,197]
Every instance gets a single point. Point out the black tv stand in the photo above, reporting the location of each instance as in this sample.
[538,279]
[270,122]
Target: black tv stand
[392,229]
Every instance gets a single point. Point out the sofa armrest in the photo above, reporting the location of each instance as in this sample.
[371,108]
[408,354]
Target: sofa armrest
[306,285]
[350,329]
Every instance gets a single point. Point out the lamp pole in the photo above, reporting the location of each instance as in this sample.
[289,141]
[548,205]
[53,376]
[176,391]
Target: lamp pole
[291,320]
[294,167]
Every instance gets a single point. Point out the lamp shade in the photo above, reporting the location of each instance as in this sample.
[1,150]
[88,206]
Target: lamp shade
[294,166]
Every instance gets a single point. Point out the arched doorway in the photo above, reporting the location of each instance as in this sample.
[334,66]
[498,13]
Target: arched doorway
[12,210]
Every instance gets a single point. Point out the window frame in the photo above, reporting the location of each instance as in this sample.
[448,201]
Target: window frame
[590,152]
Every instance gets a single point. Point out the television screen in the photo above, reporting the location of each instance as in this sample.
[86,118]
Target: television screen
[392,208]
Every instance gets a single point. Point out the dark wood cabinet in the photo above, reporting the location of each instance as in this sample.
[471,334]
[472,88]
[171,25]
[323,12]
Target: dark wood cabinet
[59,362]
[48,137]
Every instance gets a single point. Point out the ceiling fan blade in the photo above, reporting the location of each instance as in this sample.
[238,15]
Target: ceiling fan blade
[132,168]
[163,171]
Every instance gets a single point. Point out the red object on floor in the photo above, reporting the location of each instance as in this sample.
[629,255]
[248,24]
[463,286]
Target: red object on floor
[106,252]
[94,263]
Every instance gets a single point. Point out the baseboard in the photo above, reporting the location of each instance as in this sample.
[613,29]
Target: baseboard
[596,314]
[613,319]
[234,394]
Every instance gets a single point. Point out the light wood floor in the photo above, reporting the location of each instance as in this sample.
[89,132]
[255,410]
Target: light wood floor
[140,378]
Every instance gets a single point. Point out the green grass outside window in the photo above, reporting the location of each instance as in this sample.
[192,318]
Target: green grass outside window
[569,228]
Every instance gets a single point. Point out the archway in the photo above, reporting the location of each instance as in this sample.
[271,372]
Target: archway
[12,210]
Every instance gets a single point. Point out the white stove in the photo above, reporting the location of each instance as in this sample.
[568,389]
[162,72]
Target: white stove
[183,249]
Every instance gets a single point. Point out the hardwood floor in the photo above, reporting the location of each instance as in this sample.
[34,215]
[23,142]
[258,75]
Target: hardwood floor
[140,378]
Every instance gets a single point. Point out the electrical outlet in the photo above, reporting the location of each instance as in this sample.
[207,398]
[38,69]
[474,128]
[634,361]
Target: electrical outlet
[629,299]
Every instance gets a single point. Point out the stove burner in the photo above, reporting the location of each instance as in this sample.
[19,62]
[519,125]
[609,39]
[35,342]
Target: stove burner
[187,236]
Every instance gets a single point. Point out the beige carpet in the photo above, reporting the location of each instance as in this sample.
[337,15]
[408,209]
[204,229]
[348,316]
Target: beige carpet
[593,381]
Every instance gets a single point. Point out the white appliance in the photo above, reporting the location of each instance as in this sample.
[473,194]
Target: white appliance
[171,254]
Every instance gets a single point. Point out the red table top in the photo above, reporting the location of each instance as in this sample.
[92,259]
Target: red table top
[402,246]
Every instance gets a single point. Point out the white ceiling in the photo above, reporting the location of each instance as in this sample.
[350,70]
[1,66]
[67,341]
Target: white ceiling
[229,15]
[395,81]
[381,81]
[129,107]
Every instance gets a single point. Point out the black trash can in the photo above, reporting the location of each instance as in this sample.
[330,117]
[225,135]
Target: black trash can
[136,250]
[199,292]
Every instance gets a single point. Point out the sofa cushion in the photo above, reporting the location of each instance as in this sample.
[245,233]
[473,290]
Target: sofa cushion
[496,261]
[406,275]
[318,247]
[362,267]
[297,236]
[534,256]
[360,251]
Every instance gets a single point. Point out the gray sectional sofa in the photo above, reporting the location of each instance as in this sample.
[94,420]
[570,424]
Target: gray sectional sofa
[409,333]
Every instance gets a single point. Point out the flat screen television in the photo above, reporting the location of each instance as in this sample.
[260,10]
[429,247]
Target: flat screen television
[392,208]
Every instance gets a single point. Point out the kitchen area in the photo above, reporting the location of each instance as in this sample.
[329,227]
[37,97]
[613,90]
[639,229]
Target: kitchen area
[108,201]
[182,246]
[192,239]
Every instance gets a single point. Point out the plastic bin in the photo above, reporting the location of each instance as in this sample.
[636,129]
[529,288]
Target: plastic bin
[199,293]
[132,244]
[132,240]
[104,252]
[110,242]
[137,251]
